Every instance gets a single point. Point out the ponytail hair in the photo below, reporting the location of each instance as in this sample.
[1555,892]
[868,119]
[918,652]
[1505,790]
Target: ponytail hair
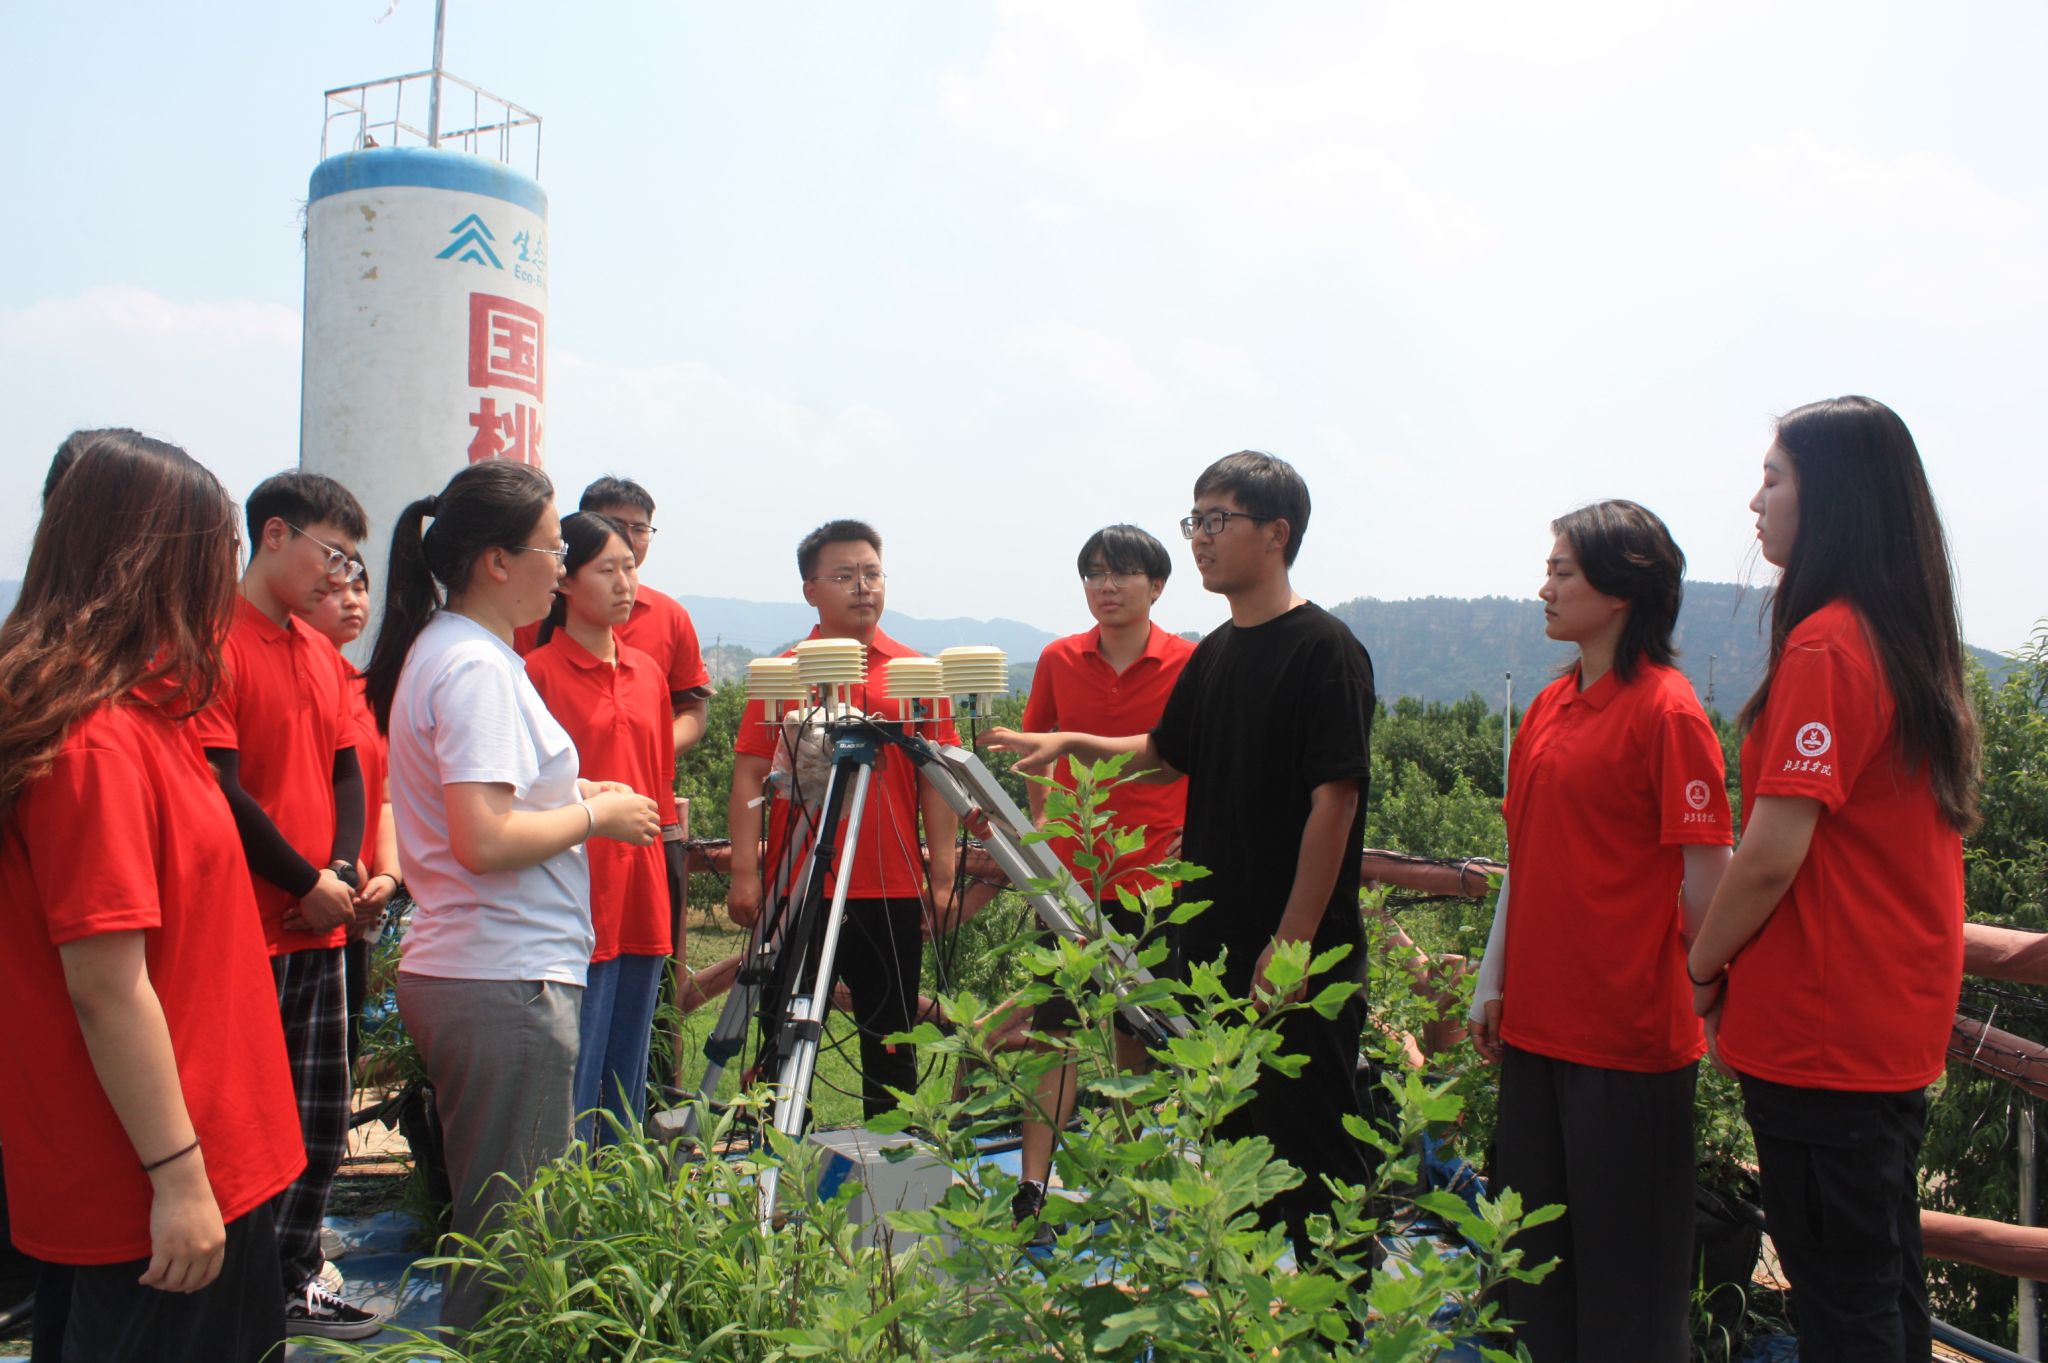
[491,505]
[585,533]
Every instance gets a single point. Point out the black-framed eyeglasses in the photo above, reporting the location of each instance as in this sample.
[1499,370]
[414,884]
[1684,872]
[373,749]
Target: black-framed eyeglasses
[1102,577]
[340,563]
[871,580]
[640,530]
[1214,522]
[560,555]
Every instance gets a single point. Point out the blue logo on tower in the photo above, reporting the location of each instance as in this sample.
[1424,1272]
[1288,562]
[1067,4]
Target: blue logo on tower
[472,243]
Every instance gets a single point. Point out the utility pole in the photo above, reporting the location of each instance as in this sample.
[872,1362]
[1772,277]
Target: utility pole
[1507,731]
[2029,1340]
[434,87]
[1710,680]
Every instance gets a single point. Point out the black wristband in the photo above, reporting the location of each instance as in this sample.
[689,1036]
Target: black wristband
[1720,977]
[171,1158]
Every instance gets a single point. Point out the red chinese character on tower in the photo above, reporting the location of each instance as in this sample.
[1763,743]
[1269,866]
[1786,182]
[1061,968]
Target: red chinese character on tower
[522,435]
[513,435]
[507,344]
[487,444]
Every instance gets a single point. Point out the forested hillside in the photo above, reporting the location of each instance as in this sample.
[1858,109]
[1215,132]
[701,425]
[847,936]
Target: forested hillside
[1445,648]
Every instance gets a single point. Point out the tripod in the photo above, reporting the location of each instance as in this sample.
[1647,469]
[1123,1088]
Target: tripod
[792,955]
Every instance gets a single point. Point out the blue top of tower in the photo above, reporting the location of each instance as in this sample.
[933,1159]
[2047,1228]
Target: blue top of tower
[426,168]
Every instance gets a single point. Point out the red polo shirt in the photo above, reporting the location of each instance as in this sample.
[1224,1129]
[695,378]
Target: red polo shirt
[660,628]
[1606,788]
[1074,688]
[285,705]
[374,758]
[618,718]
[129,832]
[888,863]
[1852,983]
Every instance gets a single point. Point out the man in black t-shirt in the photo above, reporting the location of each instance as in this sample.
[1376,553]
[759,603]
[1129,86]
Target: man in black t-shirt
[1271,722]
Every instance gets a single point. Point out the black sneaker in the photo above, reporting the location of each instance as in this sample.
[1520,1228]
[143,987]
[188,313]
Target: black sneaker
[1028,1204]
[316,1311]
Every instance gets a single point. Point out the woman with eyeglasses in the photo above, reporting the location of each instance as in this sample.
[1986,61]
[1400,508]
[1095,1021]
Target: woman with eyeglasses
[492,820]
[613,700]
[1832,955]
[341,616]
[145,1101]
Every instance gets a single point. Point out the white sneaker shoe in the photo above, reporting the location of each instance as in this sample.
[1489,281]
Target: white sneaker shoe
[332,1246]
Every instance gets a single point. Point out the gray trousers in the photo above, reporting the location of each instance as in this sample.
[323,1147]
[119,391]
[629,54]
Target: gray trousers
[502,1058]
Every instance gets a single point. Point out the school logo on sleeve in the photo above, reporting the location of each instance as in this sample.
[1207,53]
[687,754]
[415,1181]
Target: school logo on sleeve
[1697,793]
[1812,742]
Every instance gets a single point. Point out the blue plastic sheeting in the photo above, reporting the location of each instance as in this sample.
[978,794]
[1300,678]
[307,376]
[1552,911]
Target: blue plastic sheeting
[380,1250]
[1770,1349]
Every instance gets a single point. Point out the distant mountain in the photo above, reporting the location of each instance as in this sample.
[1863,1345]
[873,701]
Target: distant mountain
[1432,647]
[1445,648]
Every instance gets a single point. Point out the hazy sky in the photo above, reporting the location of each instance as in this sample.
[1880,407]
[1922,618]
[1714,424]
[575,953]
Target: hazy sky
[994,275]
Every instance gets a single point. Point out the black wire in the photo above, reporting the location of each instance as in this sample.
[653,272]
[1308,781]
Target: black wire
[2010,999]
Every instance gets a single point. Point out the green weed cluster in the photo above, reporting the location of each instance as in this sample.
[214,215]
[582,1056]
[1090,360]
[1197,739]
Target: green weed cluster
[646,1253]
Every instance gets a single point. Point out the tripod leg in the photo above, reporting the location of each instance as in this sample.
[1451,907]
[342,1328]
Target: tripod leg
[807,1011]
[728,1036]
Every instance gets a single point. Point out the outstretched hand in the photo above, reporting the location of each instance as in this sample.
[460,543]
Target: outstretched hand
[1035,752]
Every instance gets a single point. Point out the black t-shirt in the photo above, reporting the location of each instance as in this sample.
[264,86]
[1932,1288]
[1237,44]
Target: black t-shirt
[1259,719]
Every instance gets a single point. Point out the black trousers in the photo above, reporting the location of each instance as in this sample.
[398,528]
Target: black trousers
[881,948]
[355,966]
[675,861]
[1842,1198]
[1616,1148]
[1303,1116]
[238,1318]
[1058,1013]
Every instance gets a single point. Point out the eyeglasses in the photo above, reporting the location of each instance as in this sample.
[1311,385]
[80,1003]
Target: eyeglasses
[1100,578]
[1214,522]
[560,555]
[340,563]
[870,580]
[639,530]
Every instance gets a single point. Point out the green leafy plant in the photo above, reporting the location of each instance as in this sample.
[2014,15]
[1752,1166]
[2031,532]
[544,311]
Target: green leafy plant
[1970,1159]
[645,1253]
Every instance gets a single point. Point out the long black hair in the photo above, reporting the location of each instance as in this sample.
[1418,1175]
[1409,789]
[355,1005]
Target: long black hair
[585,533]
[130,583]
[1625,551]
[1868,533]
[492,505]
